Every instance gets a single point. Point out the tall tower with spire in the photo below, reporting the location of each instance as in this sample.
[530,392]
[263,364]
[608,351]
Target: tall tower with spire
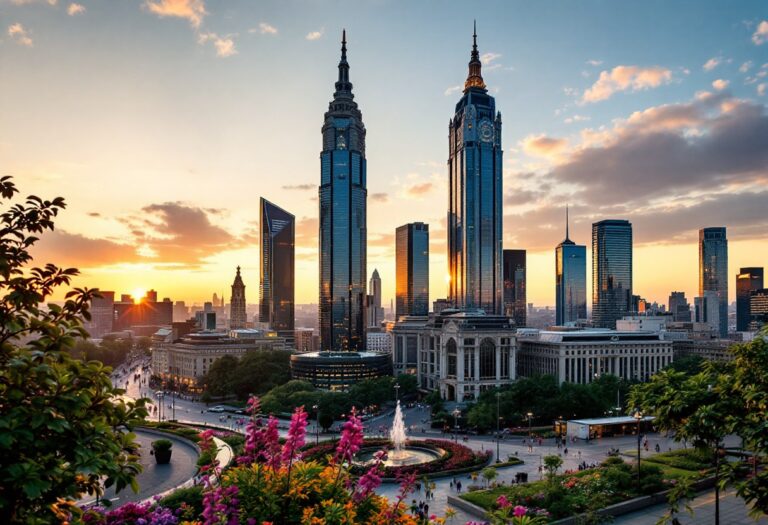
[343,237]
[570,280]
[475,196]
[237,316]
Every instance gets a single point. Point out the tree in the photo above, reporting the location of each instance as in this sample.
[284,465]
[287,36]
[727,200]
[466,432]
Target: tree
[552,463]
[62,424]
[219,379]
[489,474]
[409,385]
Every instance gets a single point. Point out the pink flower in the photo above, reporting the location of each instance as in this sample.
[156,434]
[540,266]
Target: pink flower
[296,435]
[351,438]
[519,511]
[253,406]
[270,443]
[503,502]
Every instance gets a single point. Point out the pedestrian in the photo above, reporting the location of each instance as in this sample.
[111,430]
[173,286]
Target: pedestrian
[566,451]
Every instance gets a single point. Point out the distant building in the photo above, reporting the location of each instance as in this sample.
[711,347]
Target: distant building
[570,281]
[611,272]
[707,310]
[276,292]
[237,316]
[513,273]
[375,310]
[412,269]
[438,305]
[339,370]
[713,271]
[129,315]
[180,311]
[102,315]
[679,307]
[205,319]
[758,309]
[583,356]
[708,349]
[748,280]
[302,338]
[379,342]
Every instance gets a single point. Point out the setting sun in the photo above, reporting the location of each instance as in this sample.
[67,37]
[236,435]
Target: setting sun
[138,294]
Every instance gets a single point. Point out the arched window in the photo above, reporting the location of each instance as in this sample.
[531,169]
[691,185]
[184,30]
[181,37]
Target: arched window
[450,350]
[487,359]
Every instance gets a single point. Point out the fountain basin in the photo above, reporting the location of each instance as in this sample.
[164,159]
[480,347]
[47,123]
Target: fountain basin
[408,455]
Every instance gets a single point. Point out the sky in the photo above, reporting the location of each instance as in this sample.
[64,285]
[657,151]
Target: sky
[162,122]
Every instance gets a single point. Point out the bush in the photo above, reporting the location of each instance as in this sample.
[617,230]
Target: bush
[162,445]
[192,497]
[685,459]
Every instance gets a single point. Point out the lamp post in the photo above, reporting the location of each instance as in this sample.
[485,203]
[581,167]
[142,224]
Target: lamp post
[560,428]
[498,425]
[456,414]
[316,408]
[530,419]
[638,417]
[397,392]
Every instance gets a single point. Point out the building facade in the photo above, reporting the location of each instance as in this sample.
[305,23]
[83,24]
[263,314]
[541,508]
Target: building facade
[237,315]
[458,353]
[475,217]
[379,342]
[513,273]
[276,291]
[707,311]
[102,315]
[758,309]
[343,237]
[611,272]
[412,269]
[583,356]
[339,370]
[570,281]
[747,281]
[679,307]
[132,316]
[713,270]
[375,310]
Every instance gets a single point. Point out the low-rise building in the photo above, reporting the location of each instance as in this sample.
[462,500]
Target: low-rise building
[339,370]
[378,341]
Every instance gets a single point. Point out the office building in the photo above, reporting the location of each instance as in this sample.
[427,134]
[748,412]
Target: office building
[583,356]
[102,314]
[237,315]
[375,311]
[412,269]
[339,370]
[707,311]
[180,311]
[570,281]
[302,338]
[747,281]
[713,271]
[141,317]
[342,197]
[679,307]
[758,309]
[379,342]
[475,195]
[611,272]
[513,273]
[276,293]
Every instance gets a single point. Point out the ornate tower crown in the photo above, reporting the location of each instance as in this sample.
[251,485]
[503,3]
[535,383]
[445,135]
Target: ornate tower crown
[475,77]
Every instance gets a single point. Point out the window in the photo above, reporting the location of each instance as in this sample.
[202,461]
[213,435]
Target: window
[487,359]
[450,349]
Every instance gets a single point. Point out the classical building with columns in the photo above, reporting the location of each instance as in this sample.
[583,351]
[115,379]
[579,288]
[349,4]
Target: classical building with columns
[458,353]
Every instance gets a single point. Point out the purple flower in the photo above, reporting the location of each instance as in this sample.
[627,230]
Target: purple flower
[351,438]
[296,434]
[503,502]
[519,511]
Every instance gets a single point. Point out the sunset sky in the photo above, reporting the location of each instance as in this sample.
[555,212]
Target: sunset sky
[162,122]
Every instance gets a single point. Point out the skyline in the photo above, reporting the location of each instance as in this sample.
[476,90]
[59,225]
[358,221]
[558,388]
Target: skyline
[195,144]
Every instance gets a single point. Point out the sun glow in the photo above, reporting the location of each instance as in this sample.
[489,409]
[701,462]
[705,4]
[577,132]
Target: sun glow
[138,294]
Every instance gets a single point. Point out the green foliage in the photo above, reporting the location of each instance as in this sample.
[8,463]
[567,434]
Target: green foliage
[62,426]
[111,351]
[255,372]
[161,445]
[693,459]
[552,463]
[190,497]
[489,474]
[691,364]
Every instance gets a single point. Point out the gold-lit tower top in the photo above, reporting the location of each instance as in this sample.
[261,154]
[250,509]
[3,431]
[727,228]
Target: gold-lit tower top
[475,77]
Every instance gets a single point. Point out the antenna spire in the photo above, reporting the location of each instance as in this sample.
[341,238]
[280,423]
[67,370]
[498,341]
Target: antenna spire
[475,77]
[566,223]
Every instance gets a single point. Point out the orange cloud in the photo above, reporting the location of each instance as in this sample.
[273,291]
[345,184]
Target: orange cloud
[543,146]
[419,189]
[192,10]
[626,78]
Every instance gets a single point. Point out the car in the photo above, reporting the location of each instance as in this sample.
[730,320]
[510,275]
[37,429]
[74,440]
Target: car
[217,409]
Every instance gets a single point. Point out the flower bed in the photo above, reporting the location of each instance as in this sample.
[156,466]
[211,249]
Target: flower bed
[456,457]
[685,459]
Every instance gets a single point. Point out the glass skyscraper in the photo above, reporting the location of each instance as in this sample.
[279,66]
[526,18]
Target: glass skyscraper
[513,272]
[713,270]
[475,197]
[276,301]
[570,281]
[747,280]
[611,272]
[342,199]
[412,269]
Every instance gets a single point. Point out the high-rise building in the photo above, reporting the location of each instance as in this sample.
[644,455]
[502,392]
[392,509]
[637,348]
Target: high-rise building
[102,315]
[713,270]
[747,281]
[412,269]
[611,272]
[679,307]
[514,286]
[758,309]
[570,280]
[343,238]
[475,196]
[375,311]
[237,315]
[707,310]
[276,293]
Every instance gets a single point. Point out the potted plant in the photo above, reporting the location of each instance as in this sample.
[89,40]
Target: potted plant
[162,451]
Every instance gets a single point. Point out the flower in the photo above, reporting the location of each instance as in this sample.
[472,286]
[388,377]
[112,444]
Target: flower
[519,511]
[297,432]
[503,502]
[351,438]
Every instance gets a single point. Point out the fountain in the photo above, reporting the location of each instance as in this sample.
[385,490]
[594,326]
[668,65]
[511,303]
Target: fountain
[397,434]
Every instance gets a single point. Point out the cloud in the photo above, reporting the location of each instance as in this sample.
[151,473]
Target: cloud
[306,232]
[746,66]
[576,118]
[379,197]
[720,84]
[191,10]
[381,240]
[94,214]
[712,63]
[453,89]
[594,62]
[626,78]
[419,189]
[543,146]
[71,249]
[266,29]
[760,36]
[22,2]
[20,35]
[762,88]
[225,45]
[75,9]
[315,35]
[487,60]
[300,187]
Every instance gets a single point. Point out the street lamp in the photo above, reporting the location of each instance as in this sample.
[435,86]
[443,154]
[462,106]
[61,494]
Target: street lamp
[638,417]
[456,414]
[530,419]
[397,392]
[560,427]
[498,424]
[317,423]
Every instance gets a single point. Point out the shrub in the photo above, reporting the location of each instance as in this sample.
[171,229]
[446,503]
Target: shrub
[191,497]
[162,445]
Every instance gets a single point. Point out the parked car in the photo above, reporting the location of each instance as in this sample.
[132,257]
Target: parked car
[217,409]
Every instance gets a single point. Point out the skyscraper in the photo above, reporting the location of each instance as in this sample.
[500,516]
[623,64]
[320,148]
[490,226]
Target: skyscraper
[707,310]
[343,238]
[713,270]
[237,316]
[679,307]
[375,311]
[611,272]
[276,293]
[747,281]
[475,196]
[513,273]
[570,280]
[412,269]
